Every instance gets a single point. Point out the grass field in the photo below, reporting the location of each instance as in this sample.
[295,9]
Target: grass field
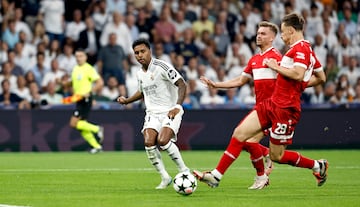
[114,179]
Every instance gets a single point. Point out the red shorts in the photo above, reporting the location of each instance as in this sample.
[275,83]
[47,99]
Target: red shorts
[281,121]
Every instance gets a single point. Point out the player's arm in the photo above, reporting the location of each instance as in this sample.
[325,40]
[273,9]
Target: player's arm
[137,96]
[99,83]
[295,73]
[181,85]
[235,82]
[317,78]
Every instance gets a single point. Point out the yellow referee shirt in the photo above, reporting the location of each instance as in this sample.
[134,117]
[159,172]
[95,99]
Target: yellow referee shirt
[82,78]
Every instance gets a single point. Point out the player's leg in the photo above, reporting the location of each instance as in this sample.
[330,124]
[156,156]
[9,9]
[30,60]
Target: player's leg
[281,135]
[256,157]
[152,151]
[167,140]
[249,127]
[82,111]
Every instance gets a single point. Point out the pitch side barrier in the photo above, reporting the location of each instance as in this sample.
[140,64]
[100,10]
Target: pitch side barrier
[202,129]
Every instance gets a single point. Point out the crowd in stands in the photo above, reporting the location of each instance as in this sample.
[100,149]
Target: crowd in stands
[213,38]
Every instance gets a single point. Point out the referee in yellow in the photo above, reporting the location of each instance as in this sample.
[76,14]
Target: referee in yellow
[86,81]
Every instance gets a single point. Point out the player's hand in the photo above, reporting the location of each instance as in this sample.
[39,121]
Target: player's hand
[172,113]
[207,82]
[122,100]
[271,63]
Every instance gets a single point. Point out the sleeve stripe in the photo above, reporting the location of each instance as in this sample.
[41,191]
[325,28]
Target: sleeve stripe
[161,64]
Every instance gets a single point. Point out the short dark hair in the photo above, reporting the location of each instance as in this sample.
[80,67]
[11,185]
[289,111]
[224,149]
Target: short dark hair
[141,41]
[294,20]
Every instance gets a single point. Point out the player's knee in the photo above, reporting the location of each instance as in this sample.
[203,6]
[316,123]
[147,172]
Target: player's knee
[275,157]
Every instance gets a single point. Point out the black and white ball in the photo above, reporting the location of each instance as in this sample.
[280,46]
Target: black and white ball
[185,183]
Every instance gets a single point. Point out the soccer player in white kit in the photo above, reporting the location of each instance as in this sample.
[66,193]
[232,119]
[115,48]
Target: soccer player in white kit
[163,90]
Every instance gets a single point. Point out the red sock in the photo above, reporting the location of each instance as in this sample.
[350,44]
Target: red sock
[256,156]
[265,150]
[231,153]
[297,160]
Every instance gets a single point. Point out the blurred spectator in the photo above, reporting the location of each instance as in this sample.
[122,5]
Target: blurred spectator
[331,69]
[211,98]
[236,70]
[236,48]
[349,19]
[329,37]
[130,21]
[39,34]
[343,51]
[111,89]
[231,97]
[30,10]
[231,19]
[39,69]
[116,5]
[6,74]
[122,32]
[318,96]
[338,97]
[319,49]
[344,83]
[187,47]
[203,23]
[314,23]
[189,15]
[131,79]
[54,50]
[221,39]
[111,62]
[10,36]
[181,24]
[15,69]
[52,13]
[352,71]
[250,18]
[29,77]
[191,101]
[54,75]
[164,31]
[89,40]
[67,60]
[99,13]
[42,48]
[50,96]
[180,67]
[144,23]
[9,99]
[74,27]
[22,90]
[250,98]
[35,97]
[357,94]
[20,25]
[191,69]
[28,48]
[3,51]
[159,52]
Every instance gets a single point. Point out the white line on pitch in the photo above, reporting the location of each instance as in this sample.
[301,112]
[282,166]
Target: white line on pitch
[5,205]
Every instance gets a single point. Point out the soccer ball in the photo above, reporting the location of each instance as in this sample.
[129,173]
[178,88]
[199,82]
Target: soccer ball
[185,183]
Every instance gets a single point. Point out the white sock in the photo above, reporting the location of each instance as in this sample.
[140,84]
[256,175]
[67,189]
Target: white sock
[154,156]
[316,167]
[217,174]
[175,155]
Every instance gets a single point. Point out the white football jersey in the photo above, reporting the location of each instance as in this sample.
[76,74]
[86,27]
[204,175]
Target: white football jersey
[158,86]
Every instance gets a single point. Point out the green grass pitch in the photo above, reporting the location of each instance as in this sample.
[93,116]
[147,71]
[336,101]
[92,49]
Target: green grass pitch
[114,179]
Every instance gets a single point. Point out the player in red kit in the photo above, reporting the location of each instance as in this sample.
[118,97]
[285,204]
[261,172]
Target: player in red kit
[264,83]
[298,69]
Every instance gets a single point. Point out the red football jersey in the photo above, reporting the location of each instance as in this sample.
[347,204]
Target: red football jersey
[263,76]
[288,91]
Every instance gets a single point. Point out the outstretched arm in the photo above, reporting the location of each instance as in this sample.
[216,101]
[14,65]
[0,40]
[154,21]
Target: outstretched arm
[236,82]
[123,100]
